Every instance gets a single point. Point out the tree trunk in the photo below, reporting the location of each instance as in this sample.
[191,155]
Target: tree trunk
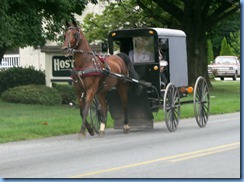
[197,55]
[196,43]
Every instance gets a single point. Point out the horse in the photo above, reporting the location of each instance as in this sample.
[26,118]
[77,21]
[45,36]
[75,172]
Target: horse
[91,77]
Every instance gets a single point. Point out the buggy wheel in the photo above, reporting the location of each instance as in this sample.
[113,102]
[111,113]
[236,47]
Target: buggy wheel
[95,115]
[201,102]
[171,107]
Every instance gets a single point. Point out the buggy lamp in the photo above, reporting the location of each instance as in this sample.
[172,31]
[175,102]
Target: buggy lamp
[150,32]
[155,68]
[113,34]
[190,89]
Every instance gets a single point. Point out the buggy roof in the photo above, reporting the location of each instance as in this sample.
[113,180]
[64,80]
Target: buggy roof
[146,31]
[169,32]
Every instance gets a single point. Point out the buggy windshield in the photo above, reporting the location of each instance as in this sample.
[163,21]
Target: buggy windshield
[143,50]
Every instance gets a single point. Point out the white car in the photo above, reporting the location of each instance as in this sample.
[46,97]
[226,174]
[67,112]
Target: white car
[225,66]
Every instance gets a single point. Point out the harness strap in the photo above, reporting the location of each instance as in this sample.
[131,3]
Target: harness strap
[86,72]
[95,71]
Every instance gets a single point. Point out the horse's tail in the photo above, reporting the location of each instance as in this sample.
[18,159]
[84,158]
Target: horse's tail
[132,72]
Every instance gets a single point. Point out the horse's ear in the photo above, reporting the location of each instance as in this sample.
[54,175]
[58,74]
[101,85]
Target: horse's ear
[74,23]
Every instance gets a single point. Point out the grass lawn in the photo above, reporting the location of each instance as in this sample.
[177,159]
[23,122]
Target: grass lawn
[22,121]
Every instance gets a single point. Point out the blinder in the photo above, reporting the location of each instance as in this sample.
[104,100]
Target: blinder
[77,36]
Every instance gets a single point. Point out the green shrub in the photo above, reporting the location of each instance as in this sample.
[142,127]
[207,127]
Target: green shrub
[67,93]
[32,94]
[17,76]
[226,50]
[210,52]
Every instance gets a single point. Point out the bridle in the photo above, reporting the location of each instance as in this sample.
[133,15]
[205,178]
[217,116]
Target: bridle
[77,36]
[78,39]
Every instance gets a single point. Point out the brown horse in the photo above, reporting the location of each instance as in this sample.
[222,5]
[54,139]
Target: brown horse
[91,76]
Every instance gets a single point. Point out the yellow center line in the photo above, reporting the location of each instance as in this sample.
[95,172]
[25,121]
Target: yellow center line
[173,158]
[204,154]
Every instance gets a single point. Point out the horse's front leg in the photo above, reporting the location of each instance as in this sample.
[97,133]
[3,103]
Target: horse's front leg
[84,112]
[81,101]
[82,104]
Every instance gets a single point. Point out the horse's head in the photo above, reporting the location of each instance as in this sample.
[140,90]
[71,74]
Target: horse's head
[71,38]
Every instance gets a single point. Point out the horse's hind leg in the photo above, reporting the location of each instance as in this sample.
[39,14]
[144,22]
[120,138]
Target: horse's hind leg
[103,110]
[123,92]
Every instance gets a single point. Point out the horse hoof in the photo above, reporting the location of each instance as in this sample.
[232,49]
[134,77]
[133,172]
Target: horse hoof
[126,131]
[101,133]
[81,135]
[91,132]
[90,129]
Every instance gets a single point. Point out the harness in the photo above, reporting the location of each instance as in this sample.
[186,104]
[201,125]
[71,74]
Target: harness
[96,70]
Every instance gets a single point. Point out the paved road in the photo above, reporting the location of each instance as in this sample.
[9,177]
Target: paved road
[190,152]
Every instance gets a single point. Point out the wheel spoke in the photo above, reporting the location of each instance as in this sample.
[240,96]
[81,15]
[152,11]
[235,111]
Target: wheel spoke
[171,107]
[201,102]
[95,116]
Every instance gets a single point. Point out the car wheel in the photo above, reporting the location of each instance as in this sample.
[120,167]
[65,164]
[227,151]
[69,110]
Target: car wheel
[235,76]
[221,78]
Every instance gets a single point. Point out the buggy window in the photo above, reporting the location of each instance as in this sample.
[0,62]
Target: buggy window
[122,45]
[143,50]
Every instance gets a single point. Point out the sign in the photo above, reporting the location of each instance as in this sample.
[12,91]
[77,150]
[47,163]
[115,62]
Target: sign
[61,66]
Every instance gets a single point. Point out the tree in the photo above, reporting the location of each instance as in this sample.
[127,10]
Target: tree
[116,15]
[226,28]
[197,19]
[225,48]
[210,52]
[31,23]
[235,42]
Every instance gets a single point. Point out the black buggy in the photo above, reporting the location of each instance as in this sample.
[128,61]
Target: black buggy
[160,59]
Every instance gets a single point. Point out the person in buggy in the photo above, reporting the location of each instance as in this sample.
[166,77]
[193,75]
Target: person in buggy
[163,64]
[163,67]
